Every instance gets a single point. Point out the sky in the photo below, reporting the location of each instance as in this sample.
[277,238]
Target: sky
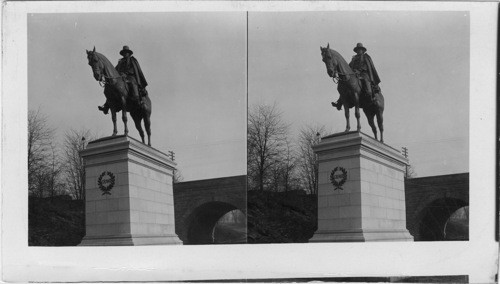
[194,62]
[422,59]
[196,67]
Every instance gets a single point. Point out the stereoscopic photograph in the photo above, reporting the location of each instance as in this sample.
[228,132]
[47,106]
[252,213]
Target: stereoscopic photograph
[359,131]
[249,141]
[100,175]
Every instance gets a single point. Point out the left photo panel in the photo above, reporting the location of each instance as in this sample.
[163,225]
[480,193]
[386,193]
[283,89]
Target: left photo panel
[137,128]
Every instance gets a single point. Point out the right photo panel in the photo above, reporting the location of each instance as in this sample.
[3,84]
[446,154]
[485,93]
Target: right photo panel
[358,126]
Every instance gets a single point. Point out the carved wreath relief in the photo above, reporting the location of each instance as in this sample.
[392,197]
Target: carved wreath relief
[338,177]
[106,181]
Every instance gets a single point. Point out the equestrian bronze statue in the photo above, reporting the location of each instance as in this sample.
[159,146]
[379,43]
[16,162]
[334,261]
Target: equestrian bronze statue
[352,88]
[121,95]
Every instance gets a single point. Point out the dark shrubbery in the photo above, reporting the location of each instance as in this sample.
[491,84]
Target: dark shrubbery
[57,221]
[281,217]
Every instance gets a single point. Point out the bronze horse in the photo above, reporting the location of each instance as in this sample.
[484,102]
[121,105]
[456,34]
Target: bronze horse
[350,90]
[116,92]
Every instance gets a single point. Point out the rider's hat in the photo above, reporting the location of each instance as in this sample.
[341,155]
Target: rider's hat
[358,46]
[125,50]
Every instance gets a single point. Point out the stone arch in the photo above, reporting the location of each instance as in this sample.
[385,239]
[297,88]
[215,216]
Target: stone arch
[421,193]
[431,220]
[200,204]
[202,220]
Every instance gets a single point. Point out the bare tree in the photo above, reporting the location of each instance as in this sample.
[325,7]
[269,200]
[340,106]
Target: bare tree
[307,159]
[273,180]
[43,162]
[74,168]
[54,170]
[266,140]
[287,167]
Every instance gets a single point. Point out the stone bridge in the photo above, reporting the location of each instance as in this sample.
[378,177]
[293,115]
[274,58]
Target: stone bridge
[430,201]
[200,204]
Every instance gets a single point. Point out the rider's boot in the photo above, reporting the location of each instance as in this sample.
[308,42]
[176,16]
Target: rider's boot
[104,108]
[369,91]
[372,96]
[137,100]
[136,97]
[337,104]
[142,93]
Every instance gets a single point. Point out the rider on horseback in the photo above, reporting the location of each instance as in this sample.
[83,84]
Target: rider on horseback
[129,69]
[363,66]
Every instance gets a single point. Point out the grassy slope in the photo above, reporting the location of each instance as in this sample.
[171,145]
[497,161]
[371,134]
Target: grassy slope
[56,222]
[282,217]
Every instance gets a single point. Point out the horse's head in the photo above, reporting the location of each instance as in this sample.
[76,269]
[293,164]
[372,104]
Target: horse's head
[329,59]
[96,64]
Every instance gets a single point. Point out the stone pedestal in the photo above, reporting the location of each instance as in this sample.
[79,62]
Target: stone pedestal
[361,194]
[128,192]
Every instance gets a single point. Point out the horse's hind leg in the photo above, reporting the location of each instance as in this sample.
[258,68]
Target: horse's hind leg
[380,122]
[371,122]
[147,125]
[137,120]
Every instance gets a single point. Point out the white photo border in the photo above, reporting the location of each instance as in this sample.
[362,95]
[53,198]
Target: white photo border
[477,257]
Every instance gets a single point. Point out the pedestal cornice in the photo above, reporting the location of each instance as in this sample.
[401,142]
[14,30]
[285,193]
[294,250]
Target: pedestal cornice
[125,144]
[360,144]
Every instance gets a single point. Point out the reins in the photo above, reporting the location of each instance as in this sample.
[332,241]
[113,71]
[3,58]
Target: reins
[337,78]
[103,82]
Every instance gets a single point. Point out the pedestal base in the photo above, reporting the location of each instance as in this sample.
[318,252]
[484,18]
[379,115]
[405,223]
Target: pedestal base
[361,236]
[130,240]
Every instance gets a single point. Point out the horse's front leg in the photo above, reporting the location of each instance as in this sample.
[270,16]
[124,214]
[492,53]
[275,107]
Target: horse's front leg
[137,120]
[113,118]
[348,125]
